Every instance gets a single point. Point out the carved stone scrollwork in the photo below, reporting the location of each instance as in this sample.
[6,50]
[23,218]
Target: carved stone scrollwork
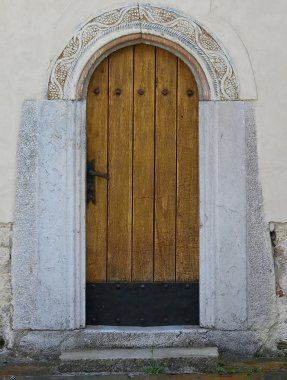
[151,20]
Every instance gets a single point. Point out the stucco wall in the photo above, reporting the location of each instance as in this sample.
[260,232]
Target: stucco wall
[35,31]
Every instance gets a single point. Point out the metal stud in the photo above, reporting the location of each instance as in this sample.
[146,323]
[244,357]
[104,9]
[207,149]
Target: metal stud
[142,320]
[97,91]
[187,286]
[165,286]
[140,91]
[190,92]
[118,286]
[118,320]
[164,92]
[142,286]
[118,91]
[93,286]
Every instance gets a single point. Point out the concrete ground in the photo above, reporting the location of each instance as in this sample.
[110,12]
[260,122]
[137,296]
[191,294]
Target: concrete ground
[251,369]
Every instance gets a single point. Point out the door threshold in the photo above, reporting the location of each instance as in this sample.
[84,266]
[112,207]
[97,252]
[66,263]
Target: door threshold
[151,329]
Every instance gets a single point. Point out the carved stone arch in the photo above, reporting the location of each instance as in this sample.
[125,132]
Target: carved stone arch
[144,23]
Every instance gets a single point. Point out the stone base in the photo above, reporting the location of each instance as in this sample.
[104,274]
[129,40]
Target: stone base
[141,360]
[48,345]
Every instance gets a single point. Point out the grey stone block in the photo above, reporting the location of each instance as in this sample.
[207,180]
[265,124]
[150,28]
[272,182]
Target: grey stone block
[261,305]
[49,344]
[5,280]
[5,234]
[47,274]
[168,360]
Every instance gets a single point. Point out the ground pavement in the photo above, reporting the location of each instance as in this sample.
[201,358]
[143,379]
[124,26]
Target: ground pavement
[255,369]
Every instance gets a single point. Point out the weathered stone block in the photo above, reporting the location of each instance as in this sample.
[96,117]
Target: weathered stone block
[169,360]
[49,344]
[4,259]
[5,278]
[5,234]
[279,241]
[47,265]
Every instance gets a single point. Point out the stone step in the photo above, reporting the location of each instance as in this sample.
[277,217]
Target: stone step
[140,360]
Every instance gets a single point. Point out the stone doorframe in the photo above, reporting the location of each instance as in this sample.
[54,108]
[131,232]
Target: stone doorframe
[48,261]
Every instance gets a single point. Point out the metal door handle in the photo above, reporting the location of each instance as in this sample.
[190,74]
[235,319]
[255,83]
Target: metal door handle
[91,172]
[91,185]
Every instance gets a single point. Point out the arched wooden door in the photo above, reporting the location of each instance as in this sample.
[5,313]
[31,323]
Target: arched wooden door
[142,190]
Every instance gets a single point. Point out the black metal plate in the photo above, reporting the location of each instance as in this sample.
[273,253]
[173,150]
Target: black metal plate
[142,304]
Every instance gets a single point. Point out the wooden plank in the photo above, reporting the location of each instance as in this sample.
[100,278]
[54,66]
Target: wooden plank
[143,166]
[120,165]
[187,221]
[165,166]
[96,218]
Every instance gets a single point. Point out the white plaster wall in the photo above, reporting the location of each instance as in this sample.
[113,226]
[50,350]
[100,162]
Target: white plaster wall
[262,27]
[33,32]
